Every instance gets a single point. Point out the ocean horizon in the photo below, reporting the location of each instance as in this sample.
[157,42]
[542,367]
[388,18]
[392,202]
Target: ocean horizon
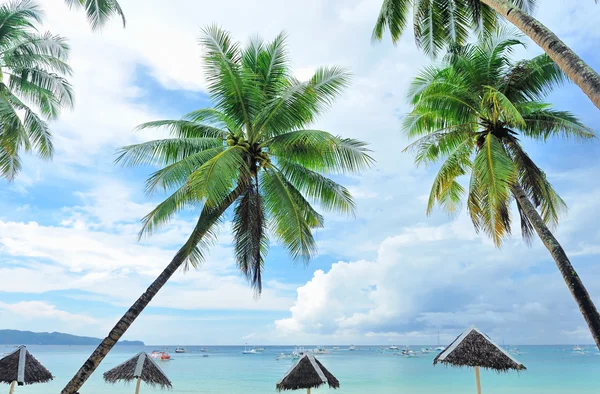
[551,369]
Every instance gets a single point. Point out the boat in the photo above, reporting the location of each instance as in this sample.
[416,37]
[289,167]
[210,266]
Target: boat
[281,356]
[320,350]
[203,350]
[426,350]
[394,348]
[180,350]
[260,349]
[336,348]
[407,352]
[298,352]
[577,348]
[248,350]
[352,348]
[160,355]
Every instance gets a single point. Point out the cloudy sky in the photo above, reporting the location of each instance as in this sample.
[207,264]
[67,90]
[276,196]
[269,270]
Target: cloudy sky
[70,261]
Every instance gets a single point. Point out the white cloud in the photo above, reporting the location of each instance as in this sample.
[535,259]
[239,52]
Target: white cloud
[36,310]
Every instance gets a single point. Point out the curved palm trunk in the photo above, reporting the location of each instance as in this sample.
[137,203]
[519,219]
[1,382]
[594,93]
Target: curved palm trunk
[580,294]
[571,64]
[207,218]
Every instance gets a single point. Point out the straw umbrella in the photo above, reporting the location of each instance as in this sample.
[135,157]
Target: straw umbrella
[20,367]
[140,367]
[475,349]
[308,373]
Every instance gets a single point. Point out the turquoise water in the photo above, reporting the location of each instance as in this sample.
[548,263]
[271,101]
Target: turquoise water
[550,370]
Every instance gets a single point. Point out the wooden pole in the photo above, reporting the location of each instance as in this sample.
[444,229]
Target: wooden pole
[137,386]
[477,380]
[308,391]
[12,387]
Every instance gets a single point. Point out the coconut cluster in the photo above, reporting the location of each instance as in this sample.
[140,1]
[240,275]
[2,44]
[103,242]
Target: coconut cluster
[260,157]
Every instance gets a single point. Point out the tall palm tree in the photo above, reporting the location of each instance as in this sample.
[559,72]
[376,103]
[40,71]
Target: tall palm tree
[439,22]
[32,84]
[252,153]
[471,113]
[98,11]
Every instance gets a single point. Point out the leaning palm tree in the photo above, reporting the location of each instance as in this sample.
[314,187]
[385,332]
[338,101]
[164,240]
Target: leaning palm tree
[440,22]
[471,113]
[32,84]
[251,153]
[98,11]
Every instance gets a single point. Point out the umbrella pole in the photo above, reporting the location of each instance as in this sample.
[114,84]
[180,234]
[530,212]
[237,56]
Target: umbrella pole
[308,390]
[477,380]
[12,387]
[137,386]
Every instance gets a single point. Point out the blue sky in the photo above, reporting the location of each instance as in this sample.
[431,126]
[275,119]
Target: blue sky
[70,261]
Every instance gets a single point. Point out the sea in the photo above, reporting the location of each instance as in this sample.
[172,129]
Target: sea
[368,369]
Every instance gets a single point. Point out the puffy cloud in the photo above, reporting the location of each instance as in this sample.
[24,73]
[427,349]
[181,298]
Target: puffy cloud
[36,310]
[428,278]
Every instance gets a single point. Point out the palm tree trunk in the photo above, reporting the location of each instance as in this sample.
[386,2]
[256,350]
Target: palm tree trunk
[578,290]
[571,64]
[207,218]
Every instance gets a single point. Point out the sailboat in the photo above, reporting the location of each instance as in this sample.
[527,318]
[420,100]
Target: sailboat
[248,350]
[439,348]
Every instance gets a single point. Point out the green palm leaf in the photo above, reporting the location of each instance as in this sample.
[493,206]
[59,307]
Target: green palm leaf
[98,12]
[469,112]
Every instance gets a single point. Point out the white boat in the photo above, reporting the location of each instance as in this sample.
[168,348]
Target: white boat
[440,348]
[352,348]
[336,348]
[394,348]
[180,350]
[298,352]
[281,356]
[320,350]
[577,348]
[407,352]
[426,350]
[204,350]
[248,350]
[158,355]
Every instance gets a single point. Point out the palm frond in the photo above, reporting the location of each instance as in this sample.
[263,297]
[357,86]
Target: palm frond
[167,151]
[392,17]
[545,122]
[322,152]
[215,179]
[327,193]
[495,173]
[251,241]
[98,12]
[289,219]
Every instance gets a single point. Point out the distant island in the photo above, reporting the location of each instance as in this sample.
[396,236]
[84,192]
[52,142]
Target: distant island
[16,337]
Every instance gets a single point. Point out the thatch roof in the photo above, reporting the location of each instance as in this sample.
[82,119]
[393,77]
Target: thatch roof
[140,365]
[475,349]
[22,367]
[307,373]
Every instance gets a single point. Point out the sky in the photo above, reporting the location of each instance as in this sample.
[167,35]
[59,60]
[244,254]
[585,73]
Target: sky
[70,260]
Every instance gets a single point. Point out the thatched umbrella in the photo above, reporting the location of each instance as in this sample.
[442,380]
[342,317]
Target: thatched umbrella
[140,367]
[308,373]
[475,349]
[20,367]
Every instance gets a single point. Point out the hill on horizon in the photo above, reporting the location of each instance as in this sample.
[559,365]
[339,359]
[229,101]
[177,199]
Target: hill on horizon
[17,337]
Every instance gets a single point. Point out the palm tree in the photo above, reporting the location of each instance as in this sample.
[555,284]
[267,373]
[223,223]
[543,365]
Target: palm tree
[98,11]
[440,22]
[32,70]
[471,113]
[251,153]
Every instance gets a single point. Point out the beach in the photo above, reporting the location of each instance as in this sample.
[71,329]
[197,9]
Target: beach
[550,370]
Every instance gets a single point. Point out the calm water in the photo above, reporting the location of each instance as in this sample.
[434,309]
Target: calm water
[550,370]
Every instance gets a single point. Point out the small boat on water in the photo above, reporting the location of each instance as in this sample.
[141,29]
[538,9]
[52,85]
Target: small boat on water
[426,350]
[203,350]
[281,356]
[440,348]
[260,349]
[248,350]
[298,352]
[180,350]
[160,355]
[407,352]
[394,348]
[336,348]
[320,350]
[352,348]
